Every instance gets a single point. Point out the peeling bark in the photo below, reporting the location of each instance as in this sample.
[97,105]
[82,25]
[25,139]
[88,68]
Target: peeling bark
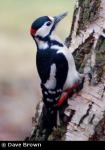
[89,55]
[89,107]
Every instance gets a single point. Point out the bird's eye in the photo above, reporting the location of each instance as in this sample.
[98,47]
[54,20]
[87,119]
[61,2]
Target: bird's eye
[48,23]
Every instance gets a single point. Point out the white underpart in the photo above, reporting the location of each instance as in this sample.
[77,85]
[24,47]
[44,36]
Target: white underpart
[51,82]
[73,75]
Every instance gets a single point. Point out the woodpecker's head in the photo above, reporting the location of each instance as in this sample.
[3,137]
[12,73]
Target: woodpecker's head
[45,25]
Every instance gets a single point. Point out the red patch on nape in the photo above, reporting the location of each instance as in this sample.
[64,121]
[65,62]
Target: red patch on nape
[32,31]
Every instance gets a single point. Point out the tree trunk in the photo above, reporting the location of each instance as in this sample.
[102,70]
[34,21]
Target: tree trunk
[86,111]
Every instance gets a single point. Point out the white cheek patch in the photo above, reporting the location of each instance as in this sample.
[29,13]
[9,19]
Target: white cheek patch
[45,30]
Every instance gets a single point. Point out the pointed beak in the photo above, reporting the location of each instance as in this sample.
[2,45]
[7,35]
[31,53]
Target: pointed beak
[59,17]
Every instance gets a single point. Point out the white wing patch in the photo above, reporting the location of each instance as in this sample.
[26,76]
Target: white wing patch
[51,82]
[56,47]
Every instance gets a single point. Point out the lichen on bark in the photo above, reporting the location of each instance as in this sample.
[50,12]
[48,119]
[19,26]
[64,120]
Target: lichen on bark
[89,12]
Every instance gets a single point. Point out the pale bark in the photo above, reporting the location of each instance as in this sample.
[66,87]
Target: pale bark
[88,45]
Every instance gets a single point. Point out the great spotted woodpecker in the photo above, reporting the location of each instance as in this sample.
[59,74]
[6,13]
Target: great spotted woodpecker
[55,64]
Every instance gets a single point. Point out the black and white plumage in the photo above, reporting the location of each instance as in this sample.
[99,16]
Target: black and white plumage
[55,63]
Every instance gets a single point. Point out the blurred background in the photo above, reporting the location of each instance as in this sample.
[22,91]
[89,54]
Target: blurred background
[19,81]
